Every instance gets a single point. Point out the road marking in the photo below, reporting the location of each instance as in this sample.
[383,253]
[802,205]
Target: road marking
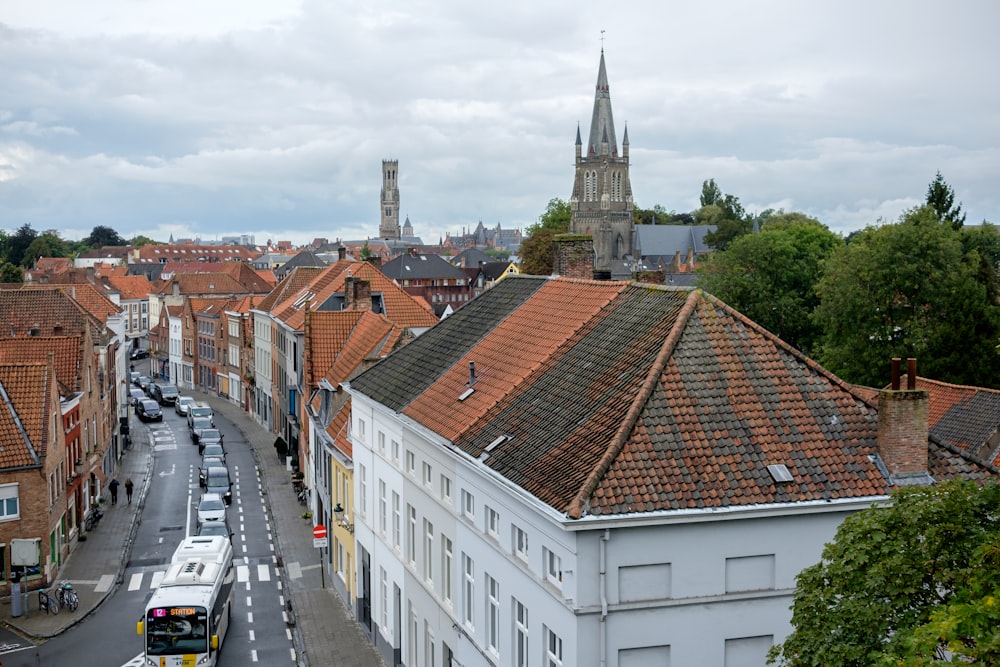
[263,573]
[135,581]
[157,578]
[294,570]
[104,584]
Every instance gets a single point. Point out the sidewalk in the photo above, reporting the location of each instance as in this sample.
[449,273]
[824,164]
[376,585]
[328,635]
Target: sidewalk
[324,631]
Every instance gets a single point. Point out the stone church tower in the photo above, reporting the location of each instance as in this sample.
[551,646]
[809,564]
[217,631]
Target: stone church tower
[601,204]
[388,229]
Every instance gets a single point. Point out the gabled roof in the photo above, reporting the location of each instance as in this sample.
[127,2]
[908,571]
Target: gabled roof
[87,296]
[210,306]
[66,354]
[665,241]
[470,258]
[290,286]
[421,266]
[25,402]
[42,311]
[612,398]
[214,283]
[131,287]
[340,342]
[967,418]
[401,308]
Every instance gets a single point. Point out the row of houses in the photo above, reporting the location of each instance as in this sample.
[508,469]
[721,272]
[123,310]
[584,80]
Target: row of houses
[63,424]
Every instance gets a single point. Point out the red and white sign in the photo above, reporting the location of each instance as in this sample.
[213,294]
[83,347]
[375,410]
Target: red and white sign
[319,531]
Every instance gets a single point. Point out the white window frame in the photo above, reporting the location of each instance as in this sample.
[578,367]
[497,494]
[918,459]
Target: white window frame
[383,508]
[520,647]
[469,592]
[428,474]
[491,522]
[10,495]
[468,505]
[446,489]
[428,552]
[411,535]
[519,543]
[396,521]
[553,649]
[447,555]
[492,615]
[552,567]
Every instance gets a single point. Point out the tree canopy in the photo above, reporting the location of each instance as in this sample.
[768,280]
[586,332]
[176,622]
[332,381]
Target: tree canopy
[909,289]
[771,277]
[536,250]
[903,584]
[725,212]
[101,236]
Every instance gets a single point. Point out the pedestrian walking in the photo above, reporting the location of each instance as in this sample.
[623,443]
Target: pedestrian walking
[113,488]
[128,489]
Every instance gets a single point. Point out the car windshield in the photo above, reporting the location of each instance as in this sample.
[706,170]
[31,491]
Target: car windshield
[211,461]
[168,390]
[150,405]
[201,411]
[211,505]
[214,529]
[201,422]
[210,434]
[218,476]
[185,400]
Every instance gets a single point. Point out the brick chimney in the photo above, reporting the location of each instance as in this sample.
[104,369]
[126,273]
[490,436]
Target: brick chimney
[342,252]
[903,427]
[573,255]
[357,294]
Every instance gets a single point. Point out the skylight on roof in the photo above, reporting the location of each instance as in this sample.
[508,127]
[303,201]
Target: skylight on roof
[465,394]
[779,472]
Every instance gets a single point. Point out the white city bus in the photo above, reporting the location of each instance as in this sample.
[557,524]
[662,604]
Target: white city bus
[187,617]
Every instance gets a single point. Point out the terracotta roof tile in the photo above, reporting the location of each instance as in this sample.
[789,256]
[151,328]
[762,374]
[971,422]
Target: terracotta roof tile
[25,419]
[612,397]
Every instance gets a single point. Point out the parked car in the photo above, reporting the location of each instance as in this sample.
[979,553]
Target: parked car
[143,382]
[182,403]
[206,463]
[214,450]
[133,376]
[136,395]
[164,394]
[212,508]
[217,481]
[212,528]
[208,436]
[148,410]
[197,425]
[139,354]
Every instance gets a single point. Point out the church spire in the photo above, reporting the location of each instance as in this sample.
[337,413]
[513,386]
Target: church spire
[602,124]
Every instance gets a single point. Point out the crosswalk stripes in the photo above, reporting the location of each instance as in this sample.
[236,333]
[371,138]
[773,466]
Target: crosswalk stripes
[139,580]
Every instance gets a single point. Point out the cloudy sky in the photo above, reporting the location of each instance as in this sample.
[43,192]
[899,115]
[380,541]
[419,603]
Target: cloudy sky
[204,118]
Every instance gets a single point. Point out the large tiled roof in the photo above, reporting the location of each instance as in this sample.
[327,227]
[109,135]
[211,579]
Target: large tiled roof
[50,310]
[289,287]
[341,341]
[421,266]
[214,283]
[25,402]
[612,398]
[66,354]
[131,287]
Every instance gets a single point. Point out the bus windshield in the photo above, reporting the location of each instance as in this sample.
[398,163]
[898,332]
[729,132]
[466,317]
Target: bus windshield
[176,630]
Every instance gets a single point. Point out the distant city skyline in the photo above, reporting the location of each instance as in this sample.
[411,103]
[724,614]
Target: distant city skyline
[246,117]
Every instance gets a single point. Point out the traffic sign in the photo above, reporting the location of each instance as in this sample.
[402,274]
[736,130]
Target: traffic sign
[319,531]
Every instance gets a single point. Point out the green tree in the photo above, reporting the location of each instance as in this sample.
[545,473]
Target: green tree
[9,273]
[898,581]
[366,253]
[139,240]
[536,250]
[101,236]
[18,243]
[941,198]
[46,245]
[655,216]
[908,290]
[771,277]
[725,212]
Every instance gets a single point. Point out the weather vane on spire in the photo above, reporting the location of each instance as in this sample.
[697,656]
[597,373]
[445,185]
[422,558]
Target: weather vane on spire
[602,41]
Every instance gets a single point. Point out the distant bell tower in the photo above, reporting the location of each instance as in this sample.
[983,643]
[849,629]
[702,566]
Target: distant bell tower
[601,204]
[389,227]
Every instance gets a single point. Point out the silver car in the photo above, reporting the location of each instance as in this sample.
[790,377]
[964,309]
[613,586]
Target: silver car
[182,403]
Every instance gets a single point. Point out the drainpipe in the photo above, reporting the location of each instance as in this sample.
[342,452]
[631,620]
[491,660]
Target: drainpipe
[604,596]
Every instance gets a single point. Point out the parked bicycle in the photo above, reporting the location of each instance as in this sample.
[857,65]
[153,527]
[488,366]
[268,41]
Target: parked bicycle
[47,602]
[93,518]
[67,596]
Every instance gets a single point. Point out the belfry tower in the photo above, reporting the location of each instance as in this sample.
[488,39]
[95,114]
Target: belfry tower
[601,204]
[389,227]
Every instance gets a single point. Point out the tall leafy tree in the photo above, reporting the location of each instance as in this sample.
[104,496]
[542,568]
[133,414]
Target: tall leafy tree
[46,245]
[9,273]
[900,583]
[101,236]
[18,243]
[536,250]
[723,211]
[908,290]
[941,198]
[771,277]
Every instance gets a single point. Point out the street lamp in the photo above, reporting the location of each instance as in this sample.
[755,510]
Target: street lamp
[338,514]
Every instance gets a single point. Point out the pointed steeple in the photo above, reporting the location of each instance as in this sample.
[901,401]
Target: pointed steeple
[602,124]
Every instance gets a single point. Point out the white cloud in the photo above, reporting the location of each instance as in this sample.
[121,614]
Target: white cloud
[238,115]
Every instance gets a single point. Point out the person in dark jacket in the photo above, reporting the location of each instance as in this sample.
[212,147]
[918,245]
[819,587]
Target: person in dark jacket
[113,488]
[128,489]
